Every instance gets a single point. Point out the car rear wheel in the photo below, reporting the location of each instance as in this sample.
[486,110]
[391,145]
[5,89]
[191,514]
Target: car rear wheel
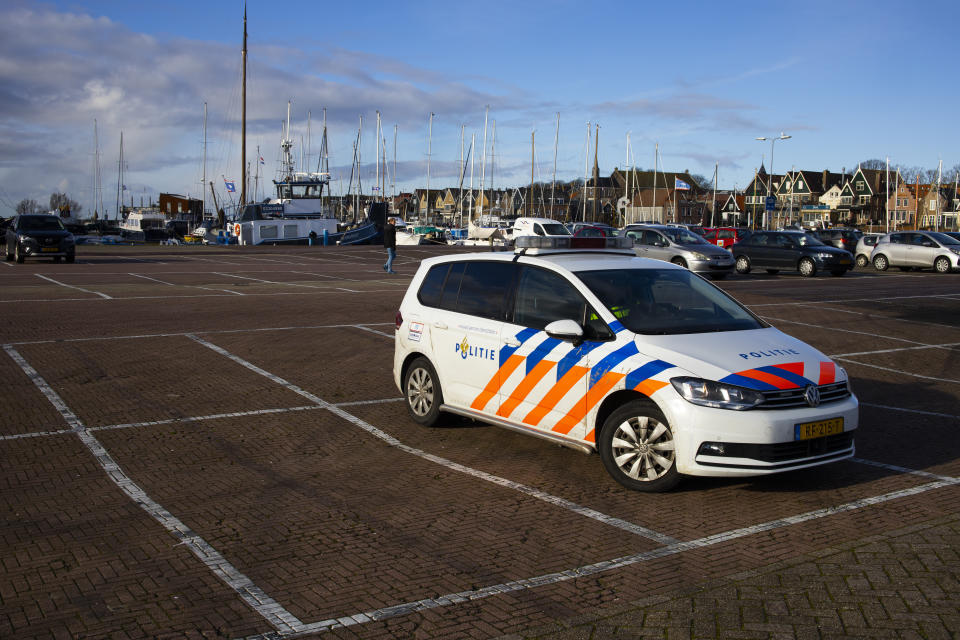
[942,265]
[421,388]
[680,262]
[743,264]
[807,268]
[880,262]
[638,448]
[862,260]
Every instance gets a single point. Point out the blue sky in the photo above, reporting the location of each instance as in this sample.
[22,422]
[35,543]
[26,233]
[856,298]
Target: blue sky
[847,80]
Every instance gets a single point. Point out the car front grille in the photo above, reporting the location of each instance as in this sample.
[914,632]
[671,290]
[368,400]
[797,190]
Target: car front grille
[792,398]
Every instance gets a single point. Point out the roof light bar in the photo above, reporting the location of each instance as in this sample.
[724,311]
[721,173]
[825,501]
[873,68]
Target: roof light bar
[572,243]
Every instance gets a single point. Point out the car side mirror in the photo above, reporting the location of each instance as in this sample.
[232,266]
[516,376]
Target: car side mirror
[565,330]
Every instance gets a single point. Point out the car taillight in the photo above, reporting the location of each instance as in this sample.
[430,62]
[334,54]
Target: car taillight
[398,320]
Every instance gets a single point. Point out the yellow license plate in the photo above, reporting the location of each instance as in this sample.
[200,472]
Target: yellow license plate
[49,249]
[819,429]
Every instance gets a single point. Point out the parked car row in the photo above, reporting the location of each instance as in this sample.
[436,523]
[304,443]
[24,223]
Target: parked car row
[714,252]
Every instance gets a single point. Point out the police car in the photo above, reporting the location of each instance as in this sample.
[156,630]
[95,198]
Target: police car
[582,343]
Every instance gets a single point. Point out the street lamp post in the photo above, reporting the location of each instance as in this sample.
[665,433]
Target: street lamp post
[772,139]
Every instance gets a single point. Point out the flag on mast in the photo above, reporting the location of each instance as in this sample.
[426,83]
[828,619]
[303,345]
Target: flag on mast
[680,185]
[231,185]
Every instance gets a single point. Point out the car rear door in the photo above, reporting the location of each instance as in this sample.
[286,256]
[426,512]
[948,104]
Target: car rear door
[465,331]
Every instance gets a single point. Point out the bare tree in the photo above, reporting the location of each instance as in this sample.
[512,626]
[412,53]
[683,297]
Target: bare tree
[63,203]
[26,206]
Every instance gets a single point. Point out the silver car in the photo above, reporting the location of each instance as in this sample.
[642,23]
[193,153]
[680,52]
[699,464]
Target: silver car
[864,249]
[682,247]
[917,250]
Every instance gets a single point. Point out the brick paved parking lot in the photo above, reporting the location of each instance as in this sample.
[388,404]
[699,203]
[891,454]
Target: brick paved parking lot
[207,442]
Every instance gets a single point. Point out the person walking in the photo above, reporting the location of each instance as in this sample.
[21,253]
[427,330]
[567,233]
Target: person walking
[390,244]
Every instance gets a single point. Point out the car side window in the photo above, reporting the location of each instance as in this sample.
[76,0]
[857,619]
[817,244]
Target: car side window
[451,288]
[544,296]
[759,239]
[432,285]
[484,289]
[897,238]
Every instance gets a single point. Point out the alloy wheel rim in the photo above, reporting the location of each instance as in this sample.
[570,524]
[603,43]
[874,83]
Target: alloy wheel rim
[420,392]
[643,448]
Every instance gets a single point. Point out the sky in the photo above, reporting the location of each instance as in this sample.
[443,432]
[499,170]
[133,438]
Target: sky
[847,80]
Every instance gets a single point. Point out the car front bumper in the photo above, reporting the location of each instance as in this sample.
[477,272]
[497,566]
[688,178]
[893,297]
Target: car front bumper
[757,441]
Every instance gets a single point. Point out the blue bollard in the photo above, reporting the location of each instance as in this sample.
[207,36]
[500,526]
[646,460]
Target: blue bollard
[326,237]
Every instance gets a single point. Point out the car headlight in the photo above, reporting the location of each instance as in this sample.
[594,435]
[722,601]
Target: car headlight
[955,250]
[842,373]
[824,255]
[699,256]
[709,393]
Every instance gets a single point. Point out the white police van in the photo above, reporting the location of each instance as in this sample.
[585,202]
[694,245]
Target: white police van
[579,341]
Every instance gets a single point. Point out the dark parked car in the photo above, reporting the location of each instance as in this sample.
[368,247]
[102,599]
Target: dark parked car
[776,251]
[39,236]
[841,238]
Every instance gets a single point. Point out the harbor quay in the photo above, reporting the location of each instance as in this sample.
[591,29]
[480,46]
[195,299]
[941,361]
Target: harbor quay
[208,442]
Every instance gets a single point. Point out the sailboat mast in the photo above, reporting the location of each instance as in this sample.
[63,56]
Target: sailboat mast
[429,151]
[483,158]
[119,177]
[553,183]
[243,115]
[393,180]
[656,153]
[586,165]
[532,162]
[462,169]
[203,182]
[378,152]
[473,138]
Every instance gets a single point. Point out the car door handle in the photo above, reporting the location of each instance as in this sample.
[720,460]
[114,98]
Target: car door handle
[440,325]
[512,342]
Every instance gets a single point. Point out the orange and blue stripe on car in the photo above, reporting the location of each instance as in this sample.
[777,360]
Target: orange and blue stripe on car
[509,361]
[781,376]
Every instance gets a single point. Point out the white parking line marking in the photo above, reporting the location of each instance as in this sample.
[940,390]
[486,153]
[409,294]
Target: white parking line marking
[139,275]
[213,416]
[608,565]
[914,472]
[918,411]
[37,434]
[874,299]
[906,373]
[379,333]
[359,403]
[948,345]
[70,286]
[278,617]
[213,295]
[863,333]
[394,442]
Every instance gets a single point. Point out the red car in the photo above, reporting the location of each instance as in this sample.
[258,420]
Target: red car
[725,237]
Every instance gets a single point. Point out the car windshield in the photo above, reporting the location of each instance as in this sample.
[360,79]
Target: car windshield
[667,301]
[944,239]
[555,229]
[40,223]
[682,236]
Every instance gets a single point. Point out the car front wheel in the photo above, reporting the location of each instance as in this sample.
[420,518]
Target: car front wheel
[743,264]
[880,262]
[638,448]
[942,265]
[807,268]
[421,388]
